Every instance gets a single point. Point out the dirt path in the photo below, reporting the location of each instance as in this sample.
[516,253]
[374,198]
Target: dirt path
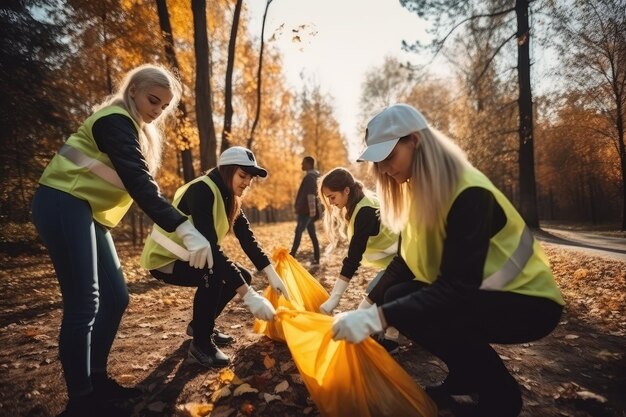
[579,370]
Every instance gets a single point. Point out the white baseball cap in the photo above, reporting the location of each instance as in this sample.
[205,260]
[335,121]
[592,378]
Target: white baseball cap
[386,128]
[243,158]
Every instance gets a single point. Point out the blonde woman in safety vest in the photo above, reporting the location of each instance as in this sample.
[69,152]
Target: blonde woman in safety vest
[352,213]
[469,271]
[84,191]
[212,203]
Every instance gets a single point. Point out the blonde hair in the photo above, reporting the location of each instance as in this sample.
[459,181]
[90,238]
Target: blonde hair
[336,220]
[437,167]
[150,134]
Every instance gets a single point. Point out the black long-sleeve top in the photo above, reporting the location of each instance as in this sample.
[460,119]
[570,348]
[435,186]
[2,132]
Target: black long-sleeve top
[117,136]
[198,202]
[473,219]
[366,224]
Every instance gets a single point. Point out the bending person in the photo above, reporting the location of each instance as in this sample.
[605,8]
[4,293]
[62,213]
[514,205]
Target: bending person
[469,272]
[84,191]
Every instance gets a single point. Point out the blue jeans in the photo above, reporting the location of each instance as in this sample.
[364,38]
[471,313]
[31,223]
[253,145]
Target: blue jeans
[305,222]
[92,284]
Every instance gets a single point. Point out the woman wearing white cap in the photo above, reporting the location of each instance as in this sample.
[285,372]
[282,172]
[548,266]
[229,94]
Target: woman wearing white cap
[212,203]
[469,272]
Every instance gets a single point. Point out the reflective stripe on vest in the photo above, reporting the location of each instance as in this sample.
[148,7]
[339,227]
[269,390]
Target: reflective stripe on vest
[382,254]
[513,266]
[180,252]
[98,168]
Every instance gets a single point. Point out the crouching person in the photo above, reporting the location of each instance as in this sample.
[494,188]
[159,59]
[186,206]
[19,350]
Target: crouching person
[212,203]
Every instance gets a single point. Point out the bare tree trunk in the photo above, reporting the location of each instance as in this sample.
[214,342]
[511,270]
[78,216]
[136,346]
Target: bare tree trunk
[228,85]
[204,108]
[527,188]
[166,29]
[258,75]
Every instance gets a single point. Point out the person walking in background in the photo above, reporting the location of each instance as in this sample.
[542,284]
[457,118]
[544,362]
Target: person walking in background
[470,272]
[307,210]
[84,191]
[212,203]
[352,212]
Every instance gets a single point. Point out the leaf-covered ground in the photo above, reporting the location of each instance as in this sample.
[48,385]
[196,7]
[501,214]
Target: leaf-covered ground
[579,370]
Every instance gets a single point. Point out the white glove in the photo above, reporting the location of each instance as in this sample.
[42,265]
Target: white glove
[365,303]
[275,282]
[335,295]
[259,306]
[355,326]
[199,248]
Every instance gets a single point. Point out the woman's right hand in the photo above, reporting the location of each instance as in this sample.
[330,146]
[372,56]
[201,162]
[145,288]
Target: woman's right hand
[199,248]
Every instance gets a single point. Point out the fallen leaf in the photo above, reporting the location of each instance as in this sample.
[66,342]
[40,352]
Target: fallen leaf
[222,393]
[196,409]
[244,389]
[283,386]
[226,375]
[271,397]
[269,362]
[588,395]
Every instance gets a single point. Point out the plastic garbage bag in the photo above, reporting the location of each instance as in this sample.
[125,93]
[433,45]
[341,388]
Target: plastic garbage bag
[346,379]
[305,292]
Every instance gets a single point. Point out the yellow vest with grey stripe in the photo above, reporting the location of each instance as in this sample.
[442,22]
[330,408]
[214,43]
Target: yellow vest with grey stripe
[381,248]
[80,169]
[170,247]
[515,261]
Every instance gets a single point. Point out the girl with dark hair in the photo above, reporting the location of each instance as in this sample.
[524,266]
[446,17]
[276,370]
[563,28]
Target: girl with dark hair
[352,212]
[212,203]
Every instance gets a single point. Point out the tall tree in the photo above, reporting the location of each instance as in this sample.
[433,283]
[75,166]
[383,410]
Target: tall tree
[170,54]
[258,77]
[228,85]
[594,46]
[448,16]
[30,49]
[321,137]
[204,106]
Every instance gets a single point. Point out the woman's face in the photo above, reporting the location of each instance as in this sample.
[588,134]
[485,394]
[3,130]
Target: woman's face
[338,199]
[399,163]
[151,101]
[241,181]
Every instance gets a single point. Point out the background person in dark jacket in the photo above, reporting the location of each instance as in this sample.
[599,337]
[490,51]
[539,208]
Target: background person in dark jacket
[306,208]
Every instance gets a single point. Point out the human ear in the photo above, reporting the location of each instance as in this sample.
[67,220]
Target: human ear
[132,90]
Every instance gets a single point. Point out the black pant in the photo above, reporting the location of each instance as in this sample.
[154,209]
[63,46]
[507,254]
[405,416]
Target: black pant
[212,294]
[460,334]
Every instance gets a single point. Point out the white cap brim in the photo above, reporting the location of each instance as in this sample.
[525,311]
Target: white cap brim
[378,152]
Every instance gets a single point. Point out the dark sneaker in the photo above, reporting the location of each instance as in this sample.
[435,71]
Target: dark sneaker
[210,357]
[108,389]
[391,346]
[220,339]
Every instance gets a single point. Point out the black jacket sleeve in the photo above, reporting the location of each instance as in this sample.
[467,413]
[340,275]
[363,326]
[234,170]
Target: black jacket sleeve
[473,219]
[366,224]
[248,242]
[198,202]
[116,136]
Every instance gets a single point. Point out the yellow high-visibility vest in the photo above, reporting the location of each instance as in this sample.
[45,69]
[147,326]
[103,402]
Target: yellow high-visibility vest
[381,248]
[515,261]
[82,170]
[162,248]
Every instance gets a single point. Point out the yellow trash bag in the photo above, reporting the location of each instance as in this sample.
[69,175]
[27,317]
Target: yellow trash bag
[306,294]
[346,379]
